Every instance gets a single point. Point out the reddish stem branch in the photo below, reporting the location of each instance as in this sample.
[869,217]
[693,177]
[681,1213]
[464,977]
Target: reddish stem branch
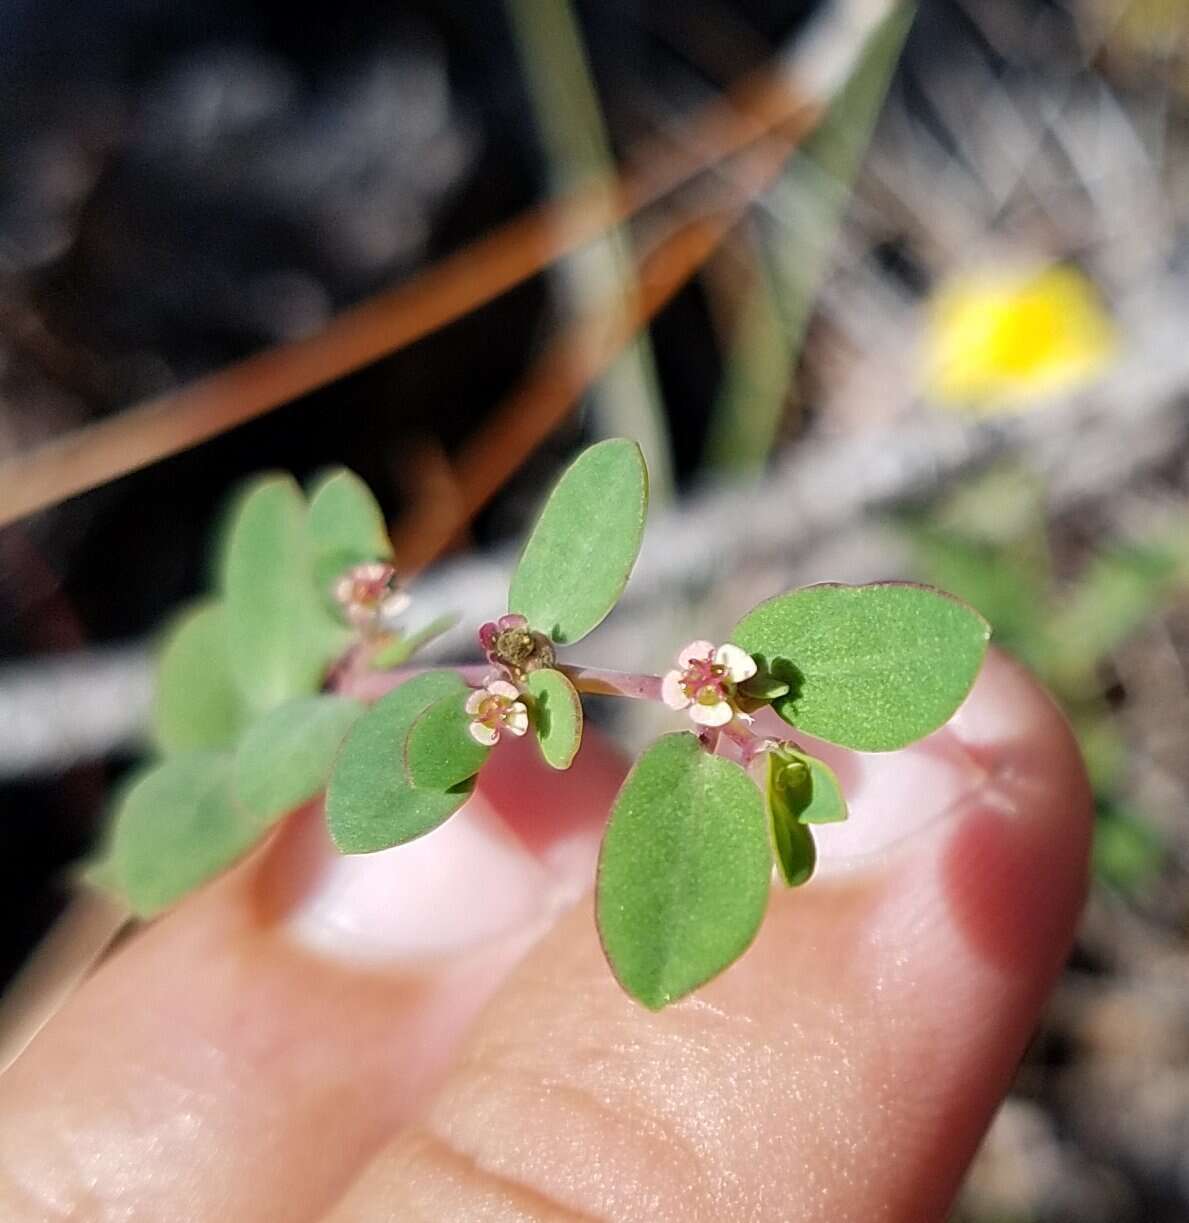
[371,685]
[750,745]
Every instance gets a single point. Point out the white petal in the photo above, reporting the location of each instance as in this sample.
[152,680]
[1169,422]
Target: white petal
[672,693]
[475,700]
[718,714]
[694,651]
[739,663]
[396,603]
[516,719]
[501,687]
[482,733]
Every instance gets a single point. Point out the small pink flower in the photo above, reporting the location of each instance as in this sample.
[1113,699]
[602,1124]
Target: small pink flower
[496,707]
[489,632]
[705,679]
[370,594]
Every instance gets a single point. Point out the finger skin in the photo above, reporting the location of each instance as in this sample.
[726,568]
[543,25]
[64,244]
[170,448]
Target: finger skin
[215,1069]
[844,1069]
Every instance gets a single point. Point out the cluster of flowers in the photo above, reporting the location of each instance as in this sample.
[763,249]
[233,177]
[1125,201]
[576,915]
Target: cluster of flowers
[704,683]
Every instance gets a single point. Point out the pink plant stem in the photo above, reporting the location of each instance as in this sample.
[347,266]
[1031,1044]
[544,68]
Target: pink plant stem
[370,686]
[596,680]
[750,745]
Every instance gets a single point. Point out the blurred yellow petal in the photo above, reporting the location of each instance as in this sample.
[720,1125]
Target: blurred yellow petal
[997,342]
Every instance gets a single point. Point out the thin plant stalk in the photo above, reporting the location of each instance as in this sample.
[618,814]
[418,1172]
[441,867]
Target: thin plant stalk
[626,401]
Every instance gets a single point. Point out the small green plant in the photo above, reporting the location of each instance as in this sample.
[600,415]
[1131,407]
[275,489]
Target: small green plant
[291,681]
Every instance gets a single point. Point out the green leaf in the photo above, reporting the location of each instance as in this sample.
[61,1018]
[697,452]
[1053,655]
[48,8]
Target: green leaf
[557,716]
[285,757]
[792,841]
[402,647]
[177,827]
[439,751]
[871,667]
[196,703]
[799,790]
[808,786]
[370,804]
[684,872]
[763,687]
[577,559]
[280,635]
[346,526]
[101,870]
[1128,852]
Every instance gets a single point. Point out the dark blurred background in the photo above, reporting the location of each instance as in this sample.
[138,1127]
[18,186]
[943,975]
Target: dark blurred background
[984,380]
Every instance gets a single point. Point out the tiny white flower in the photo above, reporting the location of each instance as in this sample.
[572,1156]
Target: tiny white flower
[705,679]
[739,664]
[494,708]
[371,595]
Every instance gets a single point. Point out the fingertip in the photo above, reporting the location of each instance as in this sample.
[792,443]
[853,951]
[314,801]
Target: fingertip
[1016,867]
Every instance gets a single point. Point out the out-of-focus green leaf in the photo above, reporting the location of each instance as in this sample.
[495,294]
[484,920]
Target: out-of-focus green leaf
[196,703]
[1128,853]
[577,559]
[346,526]
[1103,746]
[178,826]
[1003,506]
[285,757]
[280,635]
[871,667]
[684,873]
[1119,590]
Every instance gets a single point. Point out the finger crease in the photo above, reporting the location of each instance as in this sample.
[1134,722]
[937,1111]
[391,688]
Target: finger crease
[475,1178]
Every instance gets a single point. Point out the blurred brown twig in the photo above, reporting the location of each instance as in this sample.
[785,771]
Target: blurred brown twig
[457,284]
[576,358]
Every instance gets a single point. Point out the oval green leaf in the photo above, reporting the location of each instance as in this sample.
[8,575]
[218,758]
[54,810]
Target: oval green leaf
[577,559]
[557,716]
[346,526]
[280,634]
[178,826]
[196,703]
[684,873]
[285,757]
[439,750]
[370,804]
[871,667]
